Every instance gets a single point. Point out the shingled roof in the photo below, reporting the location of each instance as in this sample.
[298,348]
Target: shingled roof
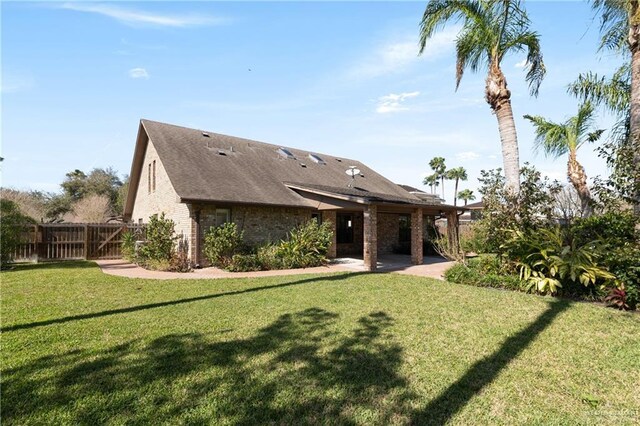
[211,167]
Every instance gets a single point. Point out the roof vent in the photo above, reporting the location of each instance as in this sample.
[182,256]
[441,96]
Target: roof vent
[221,152]
[316,159]
[338,159]
[303,165]
[205,134]
[284,152]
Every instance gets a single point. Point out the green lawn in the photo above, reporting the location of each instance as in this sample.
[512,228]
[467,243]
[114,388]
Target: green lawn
[80,347]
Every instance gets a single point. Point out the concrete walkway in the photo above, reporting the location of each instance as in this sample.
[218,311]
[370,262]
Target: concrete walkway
[433,267]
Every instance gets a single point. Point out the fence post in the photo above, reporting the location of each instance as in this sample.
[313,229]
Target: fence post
[36,245]
[86,242]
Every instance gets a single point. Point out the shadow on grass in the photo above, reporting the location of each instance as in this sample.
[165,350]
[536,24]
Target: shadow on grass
[173,302]
[484,371]
[298,369]
[49,265]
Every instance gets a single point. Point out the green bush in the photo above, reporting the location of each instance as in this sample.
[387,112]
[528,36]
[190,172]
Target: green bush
[12,226]
[180,261]
[160,241]
[306,246]
[221,243]
[548,264]
[245,263]
[473,274]
[268,257]
[129,247]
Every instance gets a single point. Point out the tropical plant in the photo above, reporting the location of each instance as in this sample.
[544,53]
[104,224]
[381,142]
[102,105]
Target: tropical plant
[557,139]
[617,298]
[456,174]
[547,263]
[466,195]
[439,168]
[306,246]
[491,29]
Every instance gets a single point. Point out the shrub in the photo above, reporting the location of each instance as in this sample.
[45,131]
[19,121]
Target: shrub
[472,274]
[306,246]
[180,259]
[245,263]
[268,257]
[221,243]
[617,298]
[129,246]
[159,245]
[547,263]
[12,227]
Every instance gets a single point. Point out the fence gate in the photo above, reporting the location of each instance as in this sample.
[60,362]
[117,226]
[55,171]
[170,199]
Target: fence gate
[68,241]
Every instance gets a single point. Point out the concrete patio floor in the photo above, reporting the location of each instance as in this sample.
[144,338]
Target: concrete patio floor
[433,267]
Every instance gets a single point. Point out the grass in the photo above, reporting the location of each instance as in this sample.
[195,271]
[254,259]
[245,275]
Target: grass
[81,347]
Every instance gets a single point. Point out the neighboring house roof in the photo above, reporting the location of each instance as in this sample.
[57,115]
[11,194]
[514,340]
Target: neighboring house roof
[248,171]
[431,198]
[475,206]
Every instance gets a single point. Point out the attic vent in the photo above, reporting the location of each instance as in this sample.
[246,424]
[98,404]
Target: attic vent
[205,134]
[316,159]
[286,153]
[303,165]
[221,152]
[338,159]
[361,175]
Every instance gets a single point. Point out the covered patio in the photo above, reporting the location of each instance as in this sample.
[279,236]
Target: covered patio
[372,224]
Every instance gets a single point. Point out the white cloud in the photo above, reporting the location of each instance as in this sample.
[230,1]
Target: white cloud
[522,63]
[394,102]
[137,17]
[138,73]
[396,56]
[467,156]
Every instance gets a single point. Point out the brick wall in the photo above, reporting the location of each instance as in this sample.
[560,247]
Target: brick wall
[259,224]
[163,199]
[388,232]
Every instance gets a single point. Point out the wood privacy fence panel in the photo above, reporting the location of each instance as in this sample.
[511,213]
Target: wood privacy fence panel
[68,241]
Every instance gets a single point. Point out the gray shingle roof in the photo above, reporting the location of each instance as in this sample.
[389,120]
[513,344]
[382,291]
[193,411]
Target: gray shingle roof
[253,172]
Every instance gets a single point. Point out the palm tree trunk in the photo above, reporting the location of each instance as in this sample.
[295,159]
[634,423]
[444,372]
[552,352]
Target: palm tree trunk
[442,178]
[499,98]
[455,194]
[634,46]
[578,179]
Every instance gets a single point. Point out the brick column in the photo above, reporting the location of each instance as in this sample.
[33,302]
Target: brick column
[330,216]
[370,245]
[416,237]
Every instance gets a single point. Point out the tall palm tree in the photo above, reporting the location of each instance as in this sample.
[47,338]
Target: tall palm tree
[431,180]
[466,195]
[491,29]
[557,139]
[620,28]
[457,174]
[439,169]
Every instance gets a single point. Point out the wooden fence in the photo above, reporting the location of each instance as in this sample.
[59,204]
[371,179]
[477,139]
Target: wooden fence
[67,241]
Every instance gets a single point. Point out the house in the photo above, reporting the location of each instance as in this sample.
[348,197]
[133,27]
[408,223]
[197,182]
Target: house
[473,213]
[201,179]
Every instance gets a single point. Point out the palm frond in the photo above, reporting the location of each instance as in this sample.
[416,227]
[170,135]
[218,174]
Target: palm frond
[440,12]
[614,23]
[529,41]
[550,137]
[472,47]
[612,93]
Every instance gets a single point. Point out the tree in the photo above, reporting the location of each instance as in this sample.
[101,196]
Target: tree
[93,208]
[457,174]
[620,28]
[439,169]
[557,139]
[466,195]
[12,227]
[78,185]
[490,30]
[432,181]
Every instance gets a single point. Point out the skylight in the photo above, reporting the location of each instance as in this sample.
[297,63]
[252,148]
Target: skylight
[316,159]
[286,153]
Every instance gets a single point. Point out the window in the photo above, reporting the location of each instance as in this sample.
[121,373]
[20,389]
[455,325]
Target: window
[222,216]
[284,152]
[316,159]
[317,217]
[344,229]
[153,186]
[149,179]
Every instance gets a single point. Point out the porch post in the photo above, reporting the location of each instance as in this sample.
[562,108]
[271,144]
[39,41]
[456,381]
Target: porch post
[370,246]
[331,216]
[417,234]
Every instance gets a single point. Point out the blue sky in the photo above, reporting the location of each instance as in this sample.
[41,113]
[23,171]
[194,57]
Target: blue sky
[342,78]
